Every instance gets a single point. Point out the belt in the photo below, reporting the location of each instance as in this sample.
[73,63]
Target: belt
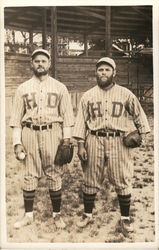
[105,134]
[38,127]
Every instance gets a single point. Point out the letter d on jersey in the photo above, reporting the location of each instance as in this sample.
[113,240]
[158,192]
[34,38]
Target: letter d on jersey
[52,100]
[117,109]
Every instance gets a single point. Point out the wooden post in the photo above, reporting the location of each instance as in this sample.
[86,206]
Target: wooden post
[85,45]
[108,31]
[31,41]
[44,14]
[53,41]
[138,80]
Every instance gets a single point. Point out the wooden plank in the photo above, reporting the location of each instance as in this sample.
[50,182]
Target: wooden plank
[128,23]
[74,14]
[97,9]
[74,25]
[16,12]
[53,40]
[31,41]
[72,19]
[85,45]
[94,27]
[44,15]
[89,13]
[76,60]
[147,17]
[128,18]
[107,30]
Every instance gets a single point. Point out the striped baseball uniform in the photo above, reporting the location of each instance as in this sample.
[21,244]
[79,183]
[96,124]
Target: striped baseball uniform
[108,110]
[42,103]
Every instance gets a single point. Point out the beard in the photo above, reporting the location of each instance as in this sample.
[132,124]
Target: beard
[104,83]
[40,73]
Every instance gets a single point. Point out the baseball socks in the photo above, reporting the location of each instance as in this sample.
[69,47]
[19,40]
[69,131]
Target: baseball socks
[56,205]
[28,205]
[88,200]
[124,203]
[28,200]
[56,200]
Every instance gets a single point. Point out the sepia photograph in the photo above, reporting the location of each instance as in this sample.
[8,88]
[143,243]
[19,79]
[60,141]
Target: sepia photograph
[79,125]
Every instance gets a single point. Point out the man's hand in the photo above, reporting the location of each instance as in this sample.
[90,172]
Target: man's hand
[82,153]
[143,138]
[19,152]
[66,141]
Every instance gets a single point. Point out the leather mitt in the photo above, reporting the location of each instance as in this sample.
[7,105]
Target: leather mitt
[132,140]
[64,154]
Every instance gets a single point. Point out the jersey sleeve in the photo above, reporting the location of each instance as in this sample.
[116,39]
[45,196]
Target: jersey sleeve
[66,109]
[134,108]
[17,110]
[17,136]
[80,128]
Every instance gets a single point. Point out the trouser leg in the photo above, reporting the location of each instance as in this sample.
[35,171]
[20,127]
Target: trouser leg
[120,168]
[94,170]
[49,141]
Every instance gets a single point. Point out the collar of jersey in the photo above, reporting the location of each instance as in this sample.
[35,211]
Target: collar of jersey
[37,79]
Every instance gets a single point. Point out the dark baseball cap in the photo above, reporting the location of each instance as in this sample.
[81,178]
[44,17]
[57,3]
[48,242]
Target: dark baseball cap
[106,60]
[40,51]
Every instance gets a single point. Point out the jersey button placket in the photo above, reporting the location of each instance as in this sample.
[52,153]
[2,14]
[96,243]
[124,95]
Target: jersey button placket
[106,110]
[40,104]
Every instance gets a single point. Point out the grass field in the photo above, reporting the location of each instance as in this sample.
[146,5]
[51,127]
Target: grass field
[106,212]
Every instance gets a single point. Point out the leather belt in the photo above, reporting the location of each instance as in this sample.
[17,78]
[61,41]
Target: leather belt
[38,127]
[105,134]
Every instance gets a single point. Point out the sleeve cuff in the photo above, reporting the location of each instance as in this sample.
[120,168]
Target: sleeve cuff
[17,136]
[67,132]
[144,131]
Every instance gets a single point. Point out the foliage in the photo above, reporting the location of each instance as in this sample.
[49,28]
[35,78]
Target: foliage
[18,41]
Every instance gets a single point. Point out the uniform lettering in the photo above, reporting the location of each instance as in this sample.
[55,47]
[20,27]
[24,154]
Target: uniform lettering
[30,101]
[117,109]
[97,108]
[52,100]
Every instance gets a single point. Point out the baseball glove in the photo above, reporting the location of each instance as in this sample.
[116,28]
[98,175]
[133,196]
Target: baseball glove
[132,140]
[64,154]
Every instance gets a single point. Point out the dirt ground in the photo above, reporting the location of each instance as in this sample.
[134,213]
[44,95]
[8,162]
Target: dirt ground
[106,212]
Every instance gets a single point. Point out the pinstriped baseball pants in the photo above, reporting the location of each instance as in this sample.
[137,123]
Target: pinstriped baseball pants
[41,147]
[118,164]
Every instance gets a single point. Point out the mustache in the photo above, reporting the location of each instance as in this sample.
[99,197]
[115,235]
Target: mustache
[104,77]
[40,67]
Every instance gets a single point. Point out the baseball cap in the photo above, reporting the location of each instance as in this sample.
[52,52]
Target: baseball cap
[40,51]
[107,60]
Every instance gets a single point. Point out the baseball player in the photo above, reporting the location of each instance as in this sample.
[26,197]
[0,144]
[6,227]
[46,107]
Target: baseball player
[41,119]
[103,120]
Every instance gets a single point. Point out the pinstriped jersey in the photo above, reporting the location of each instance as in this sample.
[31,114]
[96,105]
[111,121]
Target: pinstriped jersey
[109,109]
[42,102]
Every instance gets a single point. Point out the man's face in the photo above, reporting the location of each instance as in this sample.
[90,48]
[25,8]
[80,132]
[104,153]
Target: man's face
[40,65]
[104,75]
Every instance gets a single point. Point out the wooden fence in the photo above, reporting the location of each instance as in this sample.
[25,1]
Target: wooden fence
[78,74]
